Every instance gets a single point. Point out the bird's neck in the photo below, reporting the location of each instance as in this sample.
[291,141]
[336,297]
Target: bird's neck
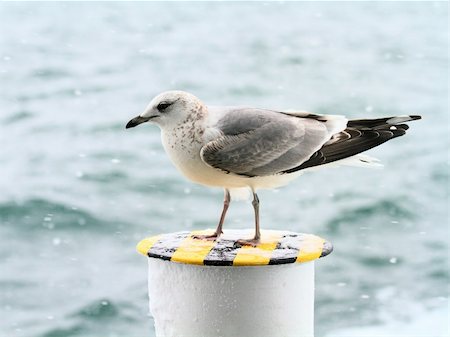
[187,138]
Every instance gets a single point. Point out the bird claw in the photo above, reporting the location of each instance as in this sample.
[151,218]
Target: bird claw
[251,242]
[209,237]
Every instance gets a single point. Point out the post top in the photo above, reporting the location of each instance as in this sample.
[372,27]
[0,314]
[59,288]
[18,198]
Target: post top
[276,247]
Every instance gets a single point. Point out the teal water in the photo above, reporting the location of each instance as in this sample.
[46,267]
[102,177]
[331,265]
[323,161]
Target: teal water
[77,191]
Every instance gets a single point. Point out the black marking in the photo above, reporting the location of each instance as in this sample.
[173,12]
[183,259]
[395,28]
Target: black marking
[217,263]
[167,245]
[283,260]
[283,253]
[158,256]
[327,249]
[222,254]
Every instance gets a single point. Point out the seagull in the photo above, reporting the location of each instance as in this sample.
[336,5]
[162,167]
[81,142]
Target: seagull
[251,148]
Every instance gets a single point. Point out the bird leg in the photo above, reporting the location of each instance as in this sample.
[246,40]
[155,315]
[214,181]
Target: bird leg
[218,231]
[253,242]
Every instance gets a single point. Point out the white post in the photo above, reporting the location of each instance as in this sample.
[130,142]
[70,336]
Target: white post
[205,288]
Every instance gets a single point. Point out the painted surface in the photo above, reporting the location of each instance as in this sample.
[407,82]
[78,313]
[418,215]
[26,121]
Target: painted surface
[276,247]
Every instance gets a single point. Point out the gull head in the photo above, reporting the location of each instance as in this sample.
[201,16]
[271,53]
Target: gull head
[169,109]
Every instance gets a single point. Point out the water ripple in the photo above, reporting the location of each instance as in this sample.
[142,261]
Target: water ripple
[41,214]
[379,209]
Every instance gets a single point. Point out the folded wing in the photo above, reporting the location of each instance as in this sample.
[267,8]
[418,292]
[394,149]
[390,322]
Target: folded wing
[256,142]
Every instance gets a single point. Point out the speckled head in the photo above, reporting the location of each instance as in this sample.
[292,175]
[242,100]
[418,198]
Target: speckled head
[170,109]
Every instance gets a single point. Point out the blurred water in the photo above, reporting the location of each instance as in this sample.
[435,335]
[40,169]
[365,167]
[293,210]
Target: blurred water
[78,191]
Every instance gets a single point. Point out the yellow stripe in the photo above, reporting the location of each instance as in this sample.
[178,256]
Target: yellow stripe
[310,248]
[193,251]
[259,255]
[144,245]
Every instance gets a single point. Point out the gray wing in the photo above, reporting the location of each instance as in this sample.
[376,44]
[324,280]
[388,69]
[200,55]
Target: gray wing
[256,142]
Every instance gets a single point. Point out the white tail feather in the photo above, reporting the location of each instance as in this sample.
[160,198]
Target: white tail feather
[360,160]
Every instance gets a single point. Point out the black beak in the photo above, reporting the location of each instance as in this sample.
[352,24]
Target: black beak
[136,121]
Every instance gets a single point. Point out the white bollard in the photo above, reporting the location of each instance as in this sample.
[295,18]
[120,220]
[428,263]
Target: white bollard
[200,288]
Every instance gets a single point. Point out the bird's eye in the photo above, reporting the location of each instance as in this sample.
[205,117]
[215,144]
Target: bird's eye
[163,106]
